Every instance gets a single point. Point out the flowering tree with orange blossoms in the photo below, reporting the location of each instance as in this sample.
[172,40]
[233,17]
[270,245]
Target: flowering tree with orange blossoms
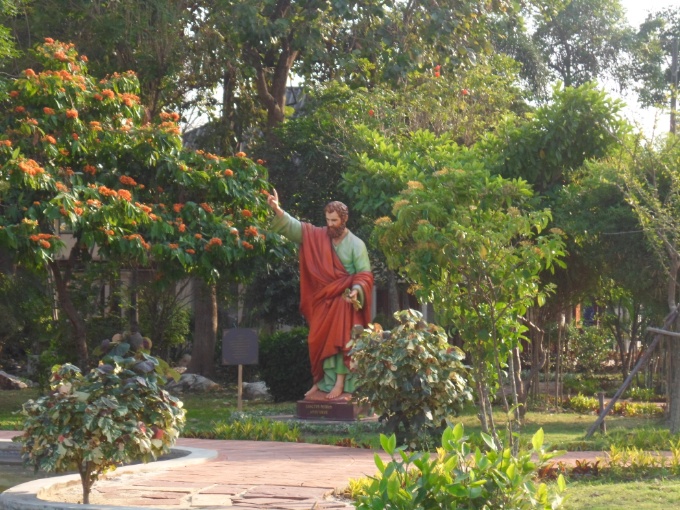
[79,155]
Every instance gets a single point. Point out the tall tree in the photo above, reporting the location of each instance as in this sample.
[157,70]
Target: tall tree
[78,155]
[146,37]
[585,40]
[652,187]
[656,64]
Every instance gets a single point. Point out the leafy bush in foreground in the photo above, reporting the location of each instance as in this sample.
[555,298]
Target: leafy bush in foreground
[459,477]
[115,414]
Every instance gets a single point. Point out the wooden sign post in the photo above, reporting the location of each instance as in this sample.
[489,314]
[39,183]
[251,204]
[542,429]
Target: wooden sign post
[240,347]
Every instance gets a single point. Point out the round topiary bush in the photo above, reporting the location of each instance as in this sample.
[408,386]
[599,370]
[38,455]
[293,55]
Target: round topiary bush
[284,364]
[114,414]
[411,376]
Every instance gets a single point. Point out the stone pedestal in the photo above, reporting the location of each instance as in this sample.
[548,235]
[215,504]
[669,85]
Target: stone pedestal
[317,407]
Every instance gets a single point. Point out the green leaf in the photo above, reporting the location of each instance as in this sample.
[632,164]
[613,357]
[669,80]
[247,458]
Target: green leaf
[537,440]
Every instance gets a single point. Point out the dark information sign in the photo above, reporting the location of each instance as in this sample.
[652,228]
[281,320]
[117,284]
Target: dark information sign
[240,347]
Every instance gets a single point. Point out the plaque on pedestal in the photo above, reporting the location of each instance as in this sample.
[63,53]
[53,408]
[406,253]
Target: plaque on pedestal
[317,407]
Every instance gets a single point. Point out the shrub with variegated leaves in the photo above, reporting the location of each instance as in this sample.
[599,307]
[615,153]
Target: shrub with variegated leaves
[90,423]
[413,378]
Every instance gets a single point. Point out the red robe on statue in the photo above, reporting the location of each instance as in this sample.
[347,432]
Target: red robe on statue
[323,280]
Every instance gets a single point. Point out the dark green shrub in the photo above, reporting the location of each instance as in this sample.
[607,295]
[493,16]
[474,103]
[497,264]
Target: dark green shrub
[284,364]
[589,348]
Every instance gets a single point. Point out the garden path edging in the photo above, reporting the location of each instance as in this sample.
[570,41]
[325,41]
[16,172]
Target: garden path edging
[26,495]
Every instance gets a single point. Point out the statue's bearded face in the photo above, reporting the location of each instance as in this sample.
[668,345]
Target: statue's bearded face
[336,225]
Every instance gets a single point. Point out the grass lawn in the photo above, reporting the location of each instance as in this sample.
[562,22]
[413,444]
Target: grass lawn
[656,494]
[562,430]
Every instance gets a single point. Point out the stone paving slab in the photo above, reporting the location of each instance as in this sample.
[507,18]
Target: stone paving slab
[243,475]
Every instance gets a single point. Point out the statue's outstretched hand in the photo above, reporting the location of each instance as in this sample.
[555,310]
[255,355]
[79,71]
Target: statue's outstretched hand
[273,201]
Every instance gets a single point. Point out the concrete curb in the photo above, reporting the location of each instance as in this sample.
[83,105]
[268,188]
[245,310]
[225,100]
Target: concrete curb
[27,495]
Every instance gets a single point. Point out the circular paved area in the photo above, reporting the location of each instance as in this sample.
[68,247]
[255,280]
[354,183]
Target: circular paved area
[242,475]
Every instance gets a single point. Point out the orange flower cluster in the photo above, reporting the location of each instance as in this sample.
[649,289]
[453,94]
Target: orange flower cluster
[94,202]
[61,187]
[60,55]
[48,110]
[45,244]
[71,114]
[40,237]
[63,211]
[95,125]
[125,195]
[153,217]
[198,236]
[247,213]
[19,109]
[127,181]
[107,192]
[247,245]
[49,139]
[228,172]
[129,99]
[170,127]
[75,136]
[260,161]
[169,116]
[89,169]
[33,122]
[132,237]
[14,93]
[251,231]
[144,207]
[31,167]
[30,73]
[173,246]
[233,232]
[215,241]
[8,143]
[206,208]
[240,154]
[182,227]
[190,251]
[78,211]
[177,207]
[108,93]
[212,157]
[109,232]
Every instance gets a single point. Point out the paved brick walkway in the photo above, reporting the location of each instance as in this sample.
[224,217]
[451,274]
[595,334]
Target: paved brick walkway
[245,475]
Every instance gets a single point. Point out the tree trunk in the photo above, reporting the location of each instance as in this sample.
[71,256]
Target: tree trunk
[392,293]
[133,311]
[77,322]
[86,481]
[673,347]
[205,329]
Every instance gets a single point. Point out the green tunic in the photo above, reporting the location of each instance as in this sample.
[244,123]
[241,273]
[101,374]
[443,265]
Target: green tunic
[354,257]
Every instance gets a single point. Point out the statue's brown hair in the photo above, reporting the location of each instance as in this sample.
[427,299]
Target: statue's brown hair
[337,207]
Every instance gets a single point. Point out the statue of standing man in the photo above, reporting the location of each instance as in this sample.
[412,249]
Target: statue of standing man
[336,285]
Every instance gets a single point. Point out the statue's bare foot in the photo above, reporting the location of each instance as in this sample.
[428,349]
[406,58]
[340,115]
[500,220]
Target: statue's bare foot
[335,392]
[312,390]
